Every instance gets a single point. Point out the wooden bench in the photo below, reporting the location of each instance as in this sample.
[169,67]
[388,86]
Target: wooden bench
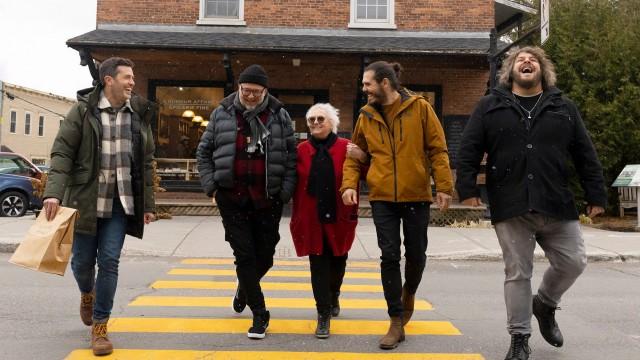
[628,198]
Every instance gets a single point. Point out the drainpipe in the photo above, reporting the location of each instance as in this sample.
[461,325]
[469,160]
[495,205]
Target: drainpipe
[493,58]
[228,86]
[360,97]
[1,109]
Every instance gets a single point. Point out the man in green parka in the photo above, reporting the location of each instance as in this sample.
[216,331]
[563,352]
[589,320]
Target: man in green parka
[101,164]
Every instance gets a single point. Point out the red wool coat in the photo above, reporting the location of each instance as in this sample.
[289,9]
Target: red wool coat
[305,225]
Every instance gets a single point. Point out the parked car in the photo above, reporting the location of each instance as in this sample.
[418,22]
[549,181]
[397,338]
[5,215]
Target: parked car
[16,195]
[16,164]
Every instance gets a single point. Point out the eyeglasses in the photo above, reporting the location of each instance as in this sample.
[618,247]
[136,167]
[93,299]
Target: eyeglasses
[313,119]
[254,92]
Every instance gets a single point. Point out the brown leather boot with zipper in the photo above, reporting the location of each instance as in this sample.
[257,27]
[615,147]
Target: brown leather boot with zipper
[394,336]
[86,307]
[100,342]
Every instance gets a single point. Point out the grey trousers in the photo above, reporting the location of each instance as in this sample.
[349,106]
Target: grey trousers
[563,245]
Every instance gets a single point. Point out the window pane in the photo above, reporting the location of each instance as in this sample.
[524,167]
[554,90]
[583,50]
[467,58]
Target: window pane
[12,128]
[221,8]
[41,126]
[382,12]
[362,2]
[27,124]
[177,134]
[362,12]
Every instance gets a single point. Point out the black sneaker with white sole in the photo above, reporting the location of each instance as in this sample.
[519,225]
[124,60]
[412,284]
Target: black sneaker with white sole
[239,302]
[260,325]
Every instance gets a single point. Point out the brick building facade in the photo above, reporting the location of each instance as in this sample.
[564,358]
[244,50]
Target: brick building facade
[189,52]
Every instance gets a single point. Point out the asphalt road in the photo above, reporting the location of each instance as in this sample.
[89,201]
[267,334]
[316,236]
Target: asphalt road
[600,315]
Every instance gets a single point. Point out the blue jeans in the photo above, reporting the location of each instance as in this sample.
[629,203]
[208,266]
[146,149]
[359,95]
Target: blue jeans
[105,247]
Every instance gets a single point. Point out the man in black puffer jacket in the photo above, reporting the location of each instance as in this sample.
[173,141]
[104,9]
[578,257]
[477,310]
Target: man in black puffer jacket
[247,161]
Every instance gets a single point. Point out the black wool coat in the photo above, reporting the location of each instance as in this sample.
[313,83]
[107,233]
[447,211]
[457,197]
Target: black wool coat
[528,159]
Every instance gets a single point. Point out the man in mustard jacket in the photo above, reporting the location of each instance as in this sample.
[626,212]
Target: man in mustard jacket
[402,136]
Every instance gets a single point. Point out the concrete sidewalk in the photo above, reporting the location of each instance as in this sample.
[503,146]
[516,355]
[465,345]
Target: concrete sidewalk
[203,236]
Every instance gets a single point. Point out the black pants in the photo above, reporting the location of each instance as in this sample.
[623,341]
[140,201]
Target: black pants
[327,273]
[415,219]
[253,236]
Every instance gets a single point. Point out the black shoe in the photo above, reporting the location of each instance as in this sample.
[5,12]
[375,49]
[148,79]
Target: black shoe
[335,304]
[324,323]
[260,325]
[239,301]
[519,349]
[546,316]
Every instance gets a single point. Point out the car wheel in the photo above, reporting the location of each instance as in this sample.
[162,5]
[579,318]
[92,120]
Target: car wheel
[13,204]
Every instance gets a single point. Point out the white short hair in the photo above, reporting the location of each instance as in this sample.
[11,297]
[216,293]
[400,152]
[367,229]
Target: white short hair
[332,114]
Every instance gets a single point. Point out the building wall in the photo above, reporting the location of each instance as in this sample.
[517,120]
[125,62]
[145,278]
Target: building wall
[424,15]
[463,80]
[32,146]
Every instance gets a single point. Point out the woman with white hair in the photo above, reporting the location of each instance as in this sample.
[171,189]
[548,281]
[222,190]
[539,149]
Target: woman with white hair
[322,227]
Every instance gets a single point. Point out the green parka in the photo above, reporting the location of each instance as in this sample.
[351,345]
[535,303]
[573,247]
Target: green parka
[75,161]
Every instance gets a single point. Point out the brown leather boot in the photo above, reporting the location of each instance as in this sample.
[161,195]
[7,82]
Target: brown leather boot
[100,342]
[394,336]
[408,301]
[86,307]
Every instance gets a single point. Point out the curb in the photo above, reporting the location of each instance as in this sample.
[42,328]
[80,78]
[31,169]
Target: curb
[458,256]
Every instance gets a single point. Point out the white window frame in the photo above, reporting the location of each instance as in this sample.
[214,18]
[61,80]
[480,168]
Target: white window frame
[15,127]
[202,20]
[27,113]
[388,23]
[44,121]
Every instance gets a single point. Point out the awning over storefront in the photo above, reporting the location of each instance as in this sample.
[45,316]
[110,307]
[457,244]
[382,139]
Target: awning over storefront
[277,40]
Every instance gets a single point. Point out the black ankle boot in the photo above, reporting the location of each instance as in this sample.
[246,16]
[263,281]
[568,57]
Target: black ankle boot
[324,323]
[519,349]
[546,316]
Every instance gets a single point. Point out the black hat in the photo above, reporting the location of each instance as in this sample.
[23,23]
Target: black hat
[254,74]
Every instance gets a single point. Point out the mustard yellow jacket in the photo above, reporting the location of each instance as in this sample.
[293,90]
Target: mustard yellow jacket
[401,158]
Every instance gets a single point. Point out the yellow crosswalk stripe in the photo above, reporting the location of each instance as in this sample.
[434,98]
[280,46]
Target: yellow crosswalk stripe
[350,264]
[290,303]
[272,273]
[276,326]
[143,354]
[282,286]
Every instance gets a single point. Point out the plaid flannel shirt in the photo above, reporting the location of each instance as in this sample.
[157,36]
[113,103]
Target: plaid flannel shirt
[115,161]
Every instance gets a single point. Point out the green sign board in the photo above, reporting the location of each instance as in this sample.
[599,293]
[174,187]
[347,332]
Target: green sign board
[630,176]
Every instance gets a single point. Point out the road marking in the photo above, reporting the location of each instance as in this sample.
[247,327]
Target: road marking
[231,285]
[271,273]
[350,264]
[291,303]
[131,354]
[276,326]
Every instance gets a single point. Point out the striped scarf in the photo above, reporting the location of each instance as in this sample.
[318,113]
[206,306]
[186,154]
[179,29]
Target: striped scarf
[115,160]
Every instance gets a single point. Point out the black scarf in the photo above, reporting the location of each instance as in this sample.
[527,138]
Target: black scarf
[322,182]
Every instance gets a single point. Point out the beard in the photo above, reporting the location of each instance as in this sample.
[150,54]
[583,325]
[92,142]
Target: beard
[516,76]
[252,106]
[377,98]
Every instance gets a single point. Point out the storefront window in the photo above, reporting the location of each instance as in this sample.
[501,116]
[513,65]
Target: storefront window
[182,118]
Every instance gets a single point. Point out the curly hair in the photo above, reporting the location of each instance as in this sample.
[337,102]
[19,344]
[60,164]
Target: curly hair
[546,66]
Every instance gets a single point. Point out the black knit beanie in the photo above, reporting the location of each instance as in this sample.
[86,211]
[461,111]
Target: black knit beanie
[254,74]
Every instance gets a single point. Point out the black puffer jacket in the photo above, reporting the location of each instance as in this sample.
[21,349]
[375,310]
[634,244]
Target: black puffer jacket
[527,163]
[217,150]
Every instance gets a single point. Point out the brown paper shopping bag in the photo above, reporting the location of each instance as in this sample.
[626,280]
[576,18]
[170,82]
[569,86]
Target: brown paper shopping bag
[47,245]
